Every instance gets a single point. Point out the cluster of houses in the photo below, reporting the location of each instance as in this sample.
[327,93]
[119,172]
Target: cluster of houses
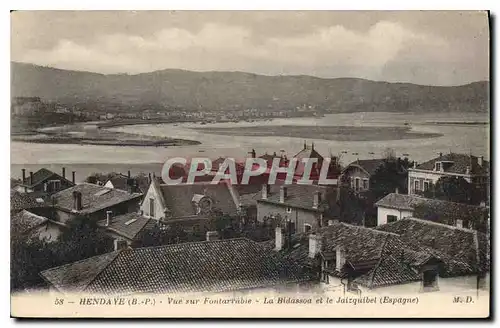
[319,239]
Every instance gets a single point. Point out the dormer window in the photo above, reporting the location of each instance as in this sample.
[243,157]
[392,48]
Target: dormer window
[438,166]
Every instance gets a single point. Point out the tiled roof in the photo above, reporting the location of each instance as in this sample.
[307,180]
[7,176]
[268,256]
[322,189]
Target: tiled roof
[458,248]
[178,198]
[94,197]
[445,210]
[14,182]
[130,225]
[308,152]
[24,221]
[460,164]
[298,196]
[215,266]
[42,175]
[21,201]
[369,165]
[119,181]
[384,257]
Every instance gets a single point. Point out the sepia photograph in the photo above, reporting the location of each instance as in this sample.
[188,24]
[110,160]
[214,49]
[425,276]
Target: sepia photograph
[236,164]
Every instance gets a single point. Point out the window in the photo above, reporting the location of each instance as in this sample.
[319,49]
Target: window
[52,185]
[289,210]
[430,280]
[426,185]
[365,184]
[417,185]
[391,218]
[356,185]
[438,166]
[307,227]
[152,207]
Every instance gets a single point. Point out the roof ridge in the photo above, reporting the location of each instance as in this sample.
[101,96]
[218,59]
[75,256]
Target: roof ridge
[366,228]
[374,270]
[439,224]
[105,267]
[196,242]
[79,261]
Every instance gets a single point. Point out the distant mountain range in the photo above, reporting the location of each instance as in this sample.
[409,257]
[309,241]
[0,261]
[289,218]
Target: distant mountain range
[172,88]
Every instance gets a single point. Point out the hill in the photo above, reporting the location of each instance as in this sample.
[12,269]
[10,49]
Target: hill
[233,90]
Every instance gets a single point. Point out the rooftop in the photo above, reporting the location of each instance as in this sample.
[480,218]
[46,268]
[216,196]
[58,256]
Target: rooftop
[94,197]
[298,196]
[210,266]
[20,201]
[445,211]
[40,176]
[24,221]
[369,165]
[178,198]
[463,251]
[458,164]
[130,225]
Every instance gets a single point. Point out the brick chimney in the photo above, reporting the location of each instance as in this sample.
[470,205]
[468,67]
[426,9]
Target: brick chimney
[315,245]
[73,176]
[467,170]
[108,217]
[339,258]
[212,235]
[149,177]
[316,199]
[64,172]
[253,154]
[31,178]
[279,239]
[283,193]
[120,244]
[128,174]
[396,191]
[415,164]
[77,200]
[265,191]
[24,175]
[480,160]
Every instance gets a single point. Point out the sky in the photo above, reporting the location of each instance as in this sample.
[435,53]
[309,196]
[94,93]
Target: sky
[431,48]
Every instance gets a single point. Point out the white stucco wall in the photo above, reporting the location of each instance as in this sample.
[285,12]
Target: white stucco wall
[430,176]
[382,213]
[159,210]
[109,184]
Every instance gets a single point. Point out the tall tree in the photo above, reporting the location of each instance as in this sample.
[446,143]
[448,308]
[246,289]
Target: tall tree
[453,189]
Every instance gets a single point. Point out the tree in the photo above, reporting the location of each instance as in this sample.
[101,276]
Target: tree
[391,175]
[163,234]
[453,189]
[82,239]
[220,222]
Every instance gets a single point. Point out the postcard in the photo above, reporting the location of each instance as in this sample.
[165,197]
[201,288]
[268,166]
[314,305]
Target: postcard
[292,164]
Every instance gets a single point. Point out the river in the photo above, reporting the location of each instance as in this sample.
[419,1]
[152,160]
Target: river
[466,138]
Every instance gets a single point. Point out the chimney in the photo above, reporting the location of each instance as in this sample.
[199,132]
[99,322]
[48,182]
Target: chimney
[108,217]
[128,174]
[73,176]
[315,245]
[331,222]
[283,194]
[460,223]
[440,155]
[415,164]
[77,200]
[316,199]
[253,153]
[265,191]
[149,177]
[396,191]
[31,178]
[24,175]
[467,170]
[339,258]
[120,244]
[64,172]
[480,160]
[279,239]
[212,235]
